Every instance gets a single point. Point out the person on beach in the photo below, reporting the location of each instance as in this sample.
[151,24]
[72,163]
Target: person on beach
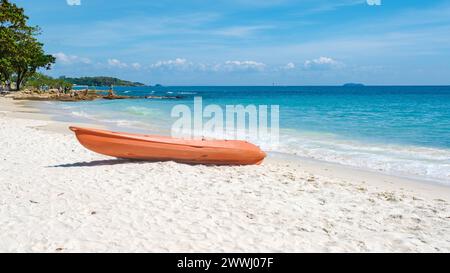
[111,91]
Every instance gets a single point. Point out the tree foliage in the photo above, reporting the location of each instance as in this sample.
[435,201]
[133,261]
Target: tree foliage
[39,81]
[21,54]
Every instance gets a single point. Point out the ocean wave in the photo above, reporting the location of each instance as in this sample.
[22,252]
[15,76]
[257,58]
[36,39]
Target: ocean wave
[405,160]
[81,114]
[432,164]
[139,111]
[117,122]
[65,107]
[123,122]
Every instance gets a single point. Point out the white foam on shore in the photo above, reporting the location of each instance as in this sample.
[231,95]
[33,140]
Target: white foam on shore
[405,160]
[117,122]
[81,114]
[139,111]
[432,164]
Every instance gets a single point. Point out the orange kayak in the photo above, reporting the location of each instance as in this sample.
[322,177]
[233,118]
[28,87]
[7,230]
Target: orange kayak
[160,148]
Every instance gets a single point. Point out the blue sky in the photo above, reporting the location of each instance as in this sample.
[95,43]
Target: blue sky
[248,42]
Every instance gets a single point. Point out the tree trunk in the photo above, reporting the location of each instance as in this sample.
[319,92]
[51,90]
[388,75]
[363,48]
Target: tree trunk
[18,83]
[19,80]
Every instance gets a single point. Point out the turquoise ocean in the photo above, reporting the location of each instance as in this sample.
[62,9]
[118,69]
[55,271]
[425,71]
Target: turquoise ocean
[401,130]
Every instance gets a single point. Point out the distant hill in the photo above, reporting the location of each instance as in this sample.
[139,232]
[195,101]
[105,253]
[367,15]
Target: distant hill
[100,81]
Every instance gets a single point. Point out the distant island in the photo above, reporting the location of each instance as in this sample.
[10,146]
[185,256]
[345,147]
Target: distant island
[100,81]
[353,85]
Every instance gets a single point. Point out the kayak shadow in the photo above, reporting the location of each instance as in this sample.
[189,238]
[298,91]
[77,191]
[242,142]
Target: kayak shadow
[121,161]
[107,162]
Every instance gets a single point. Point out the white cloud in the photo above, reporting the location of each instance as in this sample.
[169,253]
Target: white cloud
[70,59]
[178,63]
[227,66]
[243,65]
[136,66]
[322,63]
[73,2]
[117,63]
[289,66]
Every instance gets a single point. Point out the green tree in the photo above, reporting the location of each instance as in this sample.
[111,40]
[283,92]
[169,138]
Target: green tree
[30,57]
[39,80]
[21,54]
[12,22]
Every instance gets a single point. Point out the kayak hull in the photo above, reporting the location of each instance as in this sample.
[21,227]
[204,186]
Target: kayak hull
[160,148]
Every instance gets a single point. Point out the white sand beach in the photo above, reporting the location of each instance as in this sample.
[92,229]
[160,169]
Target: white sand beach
[56,196]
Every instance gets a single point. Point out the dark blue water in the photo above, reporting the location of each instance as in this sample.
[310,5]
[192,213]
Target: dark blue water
[395,129]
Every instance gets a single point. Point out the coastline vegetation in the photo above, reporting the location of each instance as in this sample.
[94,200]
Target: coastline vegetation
[99,81]
[40,81]
[21,54]
[22,59]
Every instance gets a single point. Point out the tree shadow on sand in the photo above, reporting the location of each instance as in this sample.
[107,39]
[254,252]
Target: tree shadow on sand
[108,162]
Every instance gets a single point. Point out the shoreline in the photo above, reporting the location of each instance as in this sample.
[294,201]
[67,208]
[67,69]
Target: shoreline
[430,188]
[24,109]
[273,156]
[30,110]
[99,203]
[403,159]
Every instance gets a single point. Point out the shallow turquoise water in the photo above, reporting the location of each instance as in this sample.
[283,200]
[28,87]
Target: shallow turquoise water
[402,130]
